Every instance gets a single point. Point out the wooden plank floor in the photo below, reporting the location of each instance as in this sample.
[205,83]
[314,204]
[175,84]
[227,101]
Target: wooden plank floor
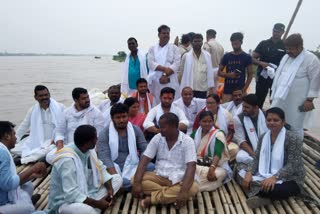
[228,199]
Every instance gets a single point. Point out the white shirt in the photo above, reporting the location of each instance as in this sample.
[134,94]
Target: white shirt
[155,113]
[68,123]
[192,110]
[171,164]
[235,110]
[48,125]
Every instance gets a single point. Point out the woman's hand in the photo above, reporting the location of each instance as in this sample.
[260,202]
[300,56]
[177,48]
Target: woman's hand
[247,181]
[268,184]
[211,176]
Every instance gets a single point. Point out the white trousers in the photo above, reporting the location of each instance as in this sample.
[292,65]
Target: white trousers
[81,208]
[38,155]
[21,206]
[243,157]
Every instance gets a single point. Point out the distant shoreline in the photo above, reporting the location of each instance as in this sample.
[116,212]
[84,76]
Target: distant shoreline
[49,54]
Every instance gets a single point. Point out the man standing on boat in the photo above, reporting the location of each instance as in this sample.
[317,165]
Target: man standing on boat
[80,113]
[134,67]
[296,83]
[163,62]
[267,56]
[42,120]
[197,70]
[238,66]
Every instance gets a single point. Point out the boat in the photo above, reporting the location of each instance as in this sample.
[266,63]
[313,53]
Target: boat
[97,57]
[229,198]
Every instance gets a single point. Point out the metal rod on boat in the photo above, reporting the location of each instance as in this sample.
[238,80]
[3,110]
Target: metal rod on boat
[292,19]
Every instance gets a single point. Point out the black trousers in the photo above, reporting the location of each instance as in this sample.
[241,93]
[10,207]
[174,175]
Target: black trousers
[262,88]
[200,94]
[282,191]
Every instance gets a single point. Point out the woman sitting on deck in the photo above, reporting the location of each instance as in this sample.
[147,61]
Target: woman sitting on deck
[222,119]
[277,171]
[212,154]
[135,117]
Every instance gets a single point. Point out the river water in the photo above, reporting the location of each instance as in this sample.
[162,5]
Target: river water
[19,75]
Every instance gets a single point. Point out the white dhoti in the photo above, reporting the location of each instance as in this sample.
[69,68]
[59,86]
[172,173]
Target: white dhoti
[23,206]
[39,154]
[243,157]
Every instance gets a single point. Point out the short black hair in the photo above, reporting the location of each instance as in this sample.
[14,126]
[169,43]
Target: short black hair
[39,88]
[276,110]
[141,80]
[114,87]
[197,36]
[171,119]
[6,127]
[191,35]
[132,38]
[118,108]
[236,36]
[185,38]
[237,89]
[204,114]
[294,40]
[211,33]
[215,97]
[83,134]
[76,92]
[251,99]
[163,27]
[130,101]
[167,90]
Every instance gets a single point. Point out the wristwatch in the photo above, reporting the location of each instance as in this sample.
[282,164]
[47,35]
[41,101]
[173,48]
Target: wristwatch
[164,74]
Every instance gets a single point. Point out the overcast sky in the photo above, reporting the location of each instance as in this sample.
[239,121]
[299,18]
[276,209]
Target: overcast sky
[103,26]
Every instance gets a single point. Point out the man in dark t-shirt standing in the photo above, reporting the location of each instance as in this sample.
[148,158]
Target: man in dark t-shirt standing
[268,51]
[238,65]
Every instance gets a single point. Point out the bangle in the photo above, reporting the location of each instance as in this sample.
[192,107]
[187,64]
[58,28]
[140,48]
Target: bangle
[212,165]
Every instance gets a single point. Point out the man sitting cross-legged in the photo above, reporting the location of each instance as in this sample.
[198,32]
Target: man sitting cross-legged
[120,145]
[80,182]
[15,189]
[175,166]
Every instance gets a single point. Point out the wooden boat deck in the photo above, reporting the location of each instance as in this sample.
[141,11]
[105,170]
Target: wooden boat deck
[228,199]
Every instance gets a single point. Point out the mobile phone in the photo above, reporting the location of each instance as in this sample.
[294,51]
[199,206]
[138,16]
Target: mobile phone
[237,71]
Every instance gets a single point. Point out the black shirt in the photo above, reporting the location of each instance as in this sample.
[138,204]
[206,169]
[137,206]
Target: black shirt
[270,52]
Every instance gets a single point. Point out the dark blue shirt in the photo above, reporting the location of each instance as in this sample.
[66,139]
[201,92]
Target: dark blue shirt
[233,62]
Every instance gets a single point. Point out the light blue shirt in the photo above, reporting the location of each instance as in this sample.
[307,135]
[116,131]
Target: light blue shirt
[63,185]
[8,181]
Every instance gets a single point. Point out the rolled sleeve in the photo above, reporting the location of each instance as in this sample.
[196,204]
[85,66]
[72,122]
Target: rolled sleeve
[8,181]
[182,117]
[148,122]
[61,128]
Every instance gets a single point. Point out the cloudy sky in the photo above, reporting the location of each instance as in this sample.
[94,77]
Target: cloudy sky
[103,26]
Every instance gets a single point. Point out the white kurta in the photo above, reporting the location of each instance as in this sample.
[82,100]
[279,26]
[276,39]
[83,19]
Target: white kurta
[72,119]
[306,83]
[168,56]
[192,110]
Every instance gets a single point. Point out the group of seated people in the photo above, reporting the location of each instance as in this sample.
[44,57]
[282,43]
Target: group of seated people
[163,154]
